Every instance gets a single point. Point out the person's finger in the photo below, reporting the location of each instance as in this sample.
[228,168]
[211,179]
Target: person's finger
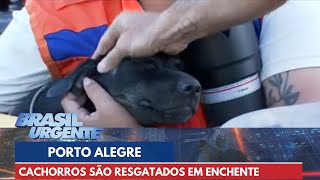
[91,120]
[114,57]
[108,41]
[70,105]
[82,113]
[96,93]
[175,49]
[82,100]
[69,99]
[72,98]
[142,46]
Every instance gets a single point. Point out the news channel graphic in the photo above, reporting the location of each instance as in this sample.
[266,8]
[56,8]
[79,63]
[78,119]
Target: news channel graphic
[56,126]
[189,151]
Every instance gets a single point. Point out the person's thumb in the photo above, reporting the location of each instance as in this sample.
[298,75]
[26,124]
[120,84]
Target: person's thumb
[96,93]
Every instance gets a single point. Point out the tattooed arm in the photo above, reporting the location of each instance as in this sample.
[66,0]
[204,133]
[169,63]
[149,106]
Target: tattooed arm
[291,54]
[293,87]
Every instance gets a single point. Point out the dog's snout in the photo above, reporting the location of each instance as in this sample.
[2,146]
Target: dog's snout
[189,86]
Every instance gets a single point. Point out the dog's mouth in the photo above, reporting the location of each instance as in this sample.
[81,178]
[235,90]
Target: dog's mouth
[146,104]
[180,114]
[171,114]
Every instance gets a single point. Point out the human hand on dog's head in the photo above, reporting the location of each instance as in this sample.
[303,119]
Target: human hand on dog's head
[116,43]
[135,34]
[108,114]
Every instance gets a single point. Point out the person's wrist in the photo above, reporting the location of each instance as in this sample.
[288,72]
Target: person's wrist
[174,25]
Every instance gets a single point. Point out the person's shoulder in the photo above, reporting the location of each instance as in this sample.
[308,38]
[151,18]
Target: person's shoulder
[288,37]
[293,12]
[294,20]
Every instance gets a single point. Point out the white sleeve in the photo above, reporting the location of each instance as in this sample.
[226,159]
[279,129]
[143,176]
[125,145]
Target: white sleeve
[280,117]
[21,66]
[290,38]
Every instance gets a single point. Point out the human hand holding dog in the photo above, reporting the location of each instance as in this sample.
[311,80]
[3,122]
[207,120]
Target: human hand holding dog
[109,113]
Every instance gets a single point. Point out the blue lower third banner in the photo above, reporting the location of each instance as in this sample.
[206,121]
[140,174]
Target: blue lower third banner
[143,160]
[94,152]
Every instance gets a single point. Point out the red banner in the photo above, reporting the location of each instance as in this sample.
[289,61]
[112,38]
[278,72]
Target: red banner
[160,171]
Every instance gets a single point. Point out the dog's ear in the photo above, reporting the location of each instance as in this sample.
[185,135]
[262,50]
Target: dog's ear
[59,88]
[73,82]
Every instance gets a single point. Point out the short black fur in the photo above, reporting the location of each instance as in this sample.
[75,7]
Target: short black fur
[155,90]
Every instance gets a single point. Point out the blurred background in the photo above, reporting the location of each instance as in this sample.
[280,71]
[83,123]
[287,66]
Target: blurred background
[6,8]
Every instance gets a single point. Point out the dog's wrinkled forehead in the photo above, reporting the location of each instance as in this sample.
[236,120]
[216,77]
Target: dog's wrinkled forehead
[147,71]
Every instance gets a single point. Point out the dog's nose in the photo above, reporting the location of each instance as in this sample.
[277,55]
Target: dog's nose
[189,86]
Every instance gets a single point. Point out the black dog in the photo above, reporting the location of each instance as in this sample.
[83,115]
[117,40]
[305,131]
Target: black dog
[154,90]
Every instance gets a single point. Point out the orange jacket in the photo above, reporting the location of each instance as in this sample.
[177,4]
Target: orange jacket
[68,31]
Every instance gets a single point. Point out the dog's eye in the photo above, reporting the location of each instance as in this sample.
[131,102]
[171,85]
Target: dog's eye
[146,104]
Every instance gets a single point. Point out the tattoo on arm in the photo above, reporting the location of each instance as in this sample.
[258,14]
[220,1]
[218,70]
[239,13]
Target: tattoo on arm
[281,91]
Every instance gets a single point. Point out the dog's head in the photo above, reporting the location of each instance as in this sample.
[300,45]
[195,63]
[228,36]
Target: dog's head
[155,90]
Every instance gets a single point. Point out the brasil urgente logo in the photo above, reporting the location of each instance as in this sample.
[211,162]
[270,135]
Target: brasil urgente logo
[58,126]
